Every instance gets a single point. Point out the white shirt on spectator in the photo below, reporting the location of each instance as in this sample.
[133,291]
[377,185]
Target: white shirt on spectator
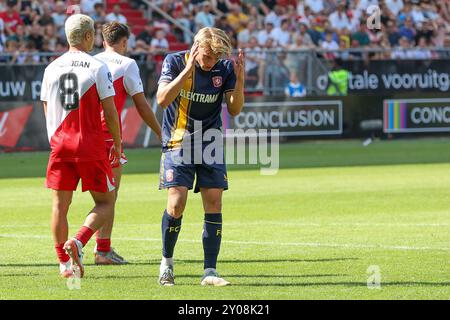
[332,45]
[355,21]
[274,19]
[403,54]
[162,43]
[204,20]
[282,37]
[422,54]
[252,58]
[315,5]
[417,15]
[364,4]
[87,6]
[395,6]
[263,35]
[339,21]
[119,18]
[245,35]
[59,19]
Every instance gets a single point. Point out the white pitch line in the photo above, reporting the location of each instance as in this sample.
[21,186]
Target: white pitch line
[264,223]
[266,243]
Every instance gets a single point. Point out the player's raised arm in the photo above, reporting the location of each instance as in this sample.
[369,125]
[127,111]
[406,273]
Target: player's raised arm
[169,89]
[235,98]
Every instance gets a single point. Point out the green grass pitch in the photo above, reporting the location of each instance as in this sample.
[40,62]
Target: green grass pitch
[310,232]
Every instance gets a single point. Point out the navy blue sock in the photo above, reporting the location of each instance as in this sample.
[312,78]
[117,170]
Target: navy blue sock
[212,235]
[170,228]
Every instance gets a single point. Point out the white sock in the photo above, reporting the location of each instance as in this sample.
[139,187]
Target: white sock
[165,262]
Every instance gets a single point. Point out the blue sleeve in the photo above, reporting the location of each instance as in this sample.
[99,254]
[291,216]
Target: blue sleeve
[230,80]
[169,70]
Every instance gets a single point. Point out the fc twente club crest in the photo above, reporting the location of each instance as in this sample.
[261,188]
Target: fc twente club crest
[217,81]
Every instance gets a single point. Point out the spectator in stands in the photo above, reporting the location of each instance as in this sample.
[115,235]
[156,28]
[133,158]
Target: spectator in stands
[329,43]
[425,30]
[98,41]
[204,18]
[265,34]
[402,52]
[11,17]
[138,4]
[115,15]
[254,63]
[394,6]
[37,5]
[36,37]
[338,19]
[314,32]
[221,7]
[46,18]
[222,23]
[146,35]
[275,16]
[253,14]
[88,6]
[417,14]
[316,6]
[186,20]
[99,14]
[159,44]
[303,33]
[344,53]
[28,54]
[20,36]
[294,88]
[249,31]
[407,30]
[301,42]
[29,16]
[141,47]
[404,13]
[236,18]
[59,16]
[422,52]
[282,34]
[361,35]
[12,51]
[440,34]
[50,37]
[393,35]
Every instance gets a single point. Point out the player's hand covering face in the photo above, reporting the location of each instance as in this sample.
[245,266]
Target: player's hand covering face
[239,65]
[190,64]
[206,58]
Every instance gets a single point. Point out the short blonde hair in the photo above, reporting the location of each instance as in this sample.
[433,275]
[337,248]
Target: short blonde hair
[76,27]
[215,39]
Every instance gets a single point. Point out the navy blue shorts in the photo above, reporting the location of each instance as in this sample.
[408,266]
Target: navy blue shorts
[176,174]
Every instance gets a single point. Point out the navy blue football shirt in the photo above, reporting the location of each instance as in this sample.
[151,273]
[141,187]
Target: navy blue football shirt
[200,99]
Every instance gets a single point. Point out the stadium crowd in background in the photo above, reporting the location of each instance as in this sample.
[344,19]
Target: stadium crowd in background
[408,29]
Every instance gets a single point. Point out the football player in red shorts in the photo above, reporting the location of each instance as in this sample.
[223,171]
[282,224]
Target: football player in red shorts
[127,82]
[75,89]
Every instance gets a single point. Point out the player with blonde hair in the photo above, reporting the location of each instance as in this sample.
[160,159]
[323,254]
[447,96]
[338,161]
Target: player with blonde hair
[191,89]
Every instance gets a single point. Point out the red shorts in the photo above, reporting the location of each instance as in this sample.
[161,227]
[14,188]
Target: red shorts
[95,175]
[123,158]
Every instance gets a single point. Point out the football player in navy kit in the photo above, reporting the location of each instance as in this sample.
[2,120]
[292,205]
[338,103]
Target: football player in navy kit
[191,89]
